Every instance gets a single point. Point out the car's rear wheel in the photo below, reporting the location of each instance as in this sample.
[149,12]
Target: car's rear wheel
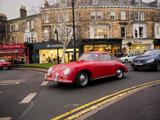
[158,66]
[119,73]
[82,79]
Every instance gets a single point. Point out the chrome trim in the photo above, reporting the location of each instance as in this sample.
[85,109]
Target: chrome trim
[104,77]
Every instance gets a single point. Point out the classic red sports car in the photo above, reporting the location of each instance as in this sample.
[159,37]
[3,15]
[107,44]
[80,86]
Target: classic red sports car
[5,65]
[90,66]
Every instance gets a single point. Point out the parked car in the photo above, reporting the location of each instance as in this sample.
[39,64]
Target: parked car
[90,66]
[148,60]
[127,58]
[5,65]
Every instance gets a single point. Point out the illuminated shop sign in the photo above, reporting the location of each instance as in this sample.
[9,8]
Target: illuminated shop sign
[12,51]
[53,46]
[12,46]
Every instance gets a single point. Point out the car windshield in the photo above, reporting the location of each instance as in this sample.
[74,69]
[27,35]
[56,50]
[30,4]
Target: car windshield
[89,56]
[152,52]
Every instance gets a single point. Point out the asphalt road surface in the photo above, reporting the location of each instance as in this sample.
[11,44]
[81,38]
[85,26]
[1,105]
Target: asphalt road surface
[25,96]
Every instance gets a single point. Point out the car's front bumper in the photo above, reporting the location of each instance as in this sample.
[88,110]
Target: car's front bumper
[143,66]
[57,79]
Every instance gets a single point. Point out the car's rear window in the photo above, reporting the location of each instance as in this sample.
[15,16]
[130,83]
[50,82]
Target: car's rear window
[89,56]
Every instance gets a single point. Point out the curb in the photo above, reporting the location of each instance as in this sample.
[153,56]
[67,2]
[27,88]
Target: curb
[34,69]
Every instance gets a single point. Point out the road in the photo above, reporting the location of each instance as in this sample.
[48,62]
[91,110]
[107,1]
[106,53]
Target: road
[24,96]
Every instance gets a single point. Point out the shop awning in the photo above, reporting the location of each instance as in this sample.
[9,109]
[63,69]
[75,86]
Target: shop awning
[12,52]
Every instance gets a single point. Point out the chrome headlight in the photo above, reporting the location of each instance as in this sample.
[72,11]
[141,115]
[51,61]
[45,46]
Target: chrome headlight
[66,71]
[150,60]
[49,71]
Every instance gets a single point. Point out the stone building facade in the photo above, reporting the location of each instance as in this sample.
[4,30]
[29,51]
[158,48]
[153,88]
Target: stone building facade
[25,28]
[127,20]
[3,27]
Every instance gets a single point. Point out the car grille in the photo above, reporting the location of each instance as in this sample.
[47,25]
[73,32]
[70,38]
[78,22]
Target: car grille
[138,61]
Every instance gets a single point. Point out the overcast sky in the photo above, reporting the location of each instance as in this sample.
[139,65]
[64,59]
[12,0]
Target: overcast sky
[11,7]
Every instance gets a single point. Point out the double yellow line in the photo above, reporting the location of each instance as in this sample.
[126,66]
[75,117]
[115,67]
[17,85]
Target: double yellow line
[97,104]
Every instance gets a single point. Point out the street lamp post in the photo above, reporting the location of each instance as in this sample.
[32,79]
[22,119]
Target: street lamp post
[56,32]
[74,45]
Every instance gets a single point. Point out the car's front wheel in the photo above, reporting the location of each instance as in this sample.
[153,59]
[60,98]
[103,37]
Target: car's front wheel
[119,73]
[158,66]
[126,61]
[82,79]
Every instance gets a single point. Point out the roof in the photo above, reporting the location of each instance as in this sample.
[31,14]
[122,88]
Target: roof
[108,3]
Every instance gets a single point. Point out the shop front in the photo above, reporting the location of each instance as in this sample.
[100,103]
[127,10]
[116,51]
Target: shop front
[47,52]
[157,43]
[15,53]
[137,46]
[109,45]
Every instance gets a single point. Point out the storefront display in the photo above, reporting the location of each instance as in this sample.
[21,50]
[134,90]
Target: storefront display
[15,53]
[108,45]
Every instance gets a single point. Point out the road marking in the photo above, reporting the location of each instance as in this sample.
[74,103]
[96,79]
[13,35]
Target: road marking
[5,118]
[28,98]
[11,82]
[44,83]
[86,110]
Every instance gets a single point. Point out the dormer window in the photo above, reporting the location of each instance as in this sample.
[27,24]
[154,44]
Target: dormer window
[64,2]
[94,2]
[137,2]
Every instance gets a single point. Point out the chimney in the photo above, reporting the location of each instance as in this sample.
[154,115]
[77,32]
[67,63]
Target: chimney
[46,4]
[23,11]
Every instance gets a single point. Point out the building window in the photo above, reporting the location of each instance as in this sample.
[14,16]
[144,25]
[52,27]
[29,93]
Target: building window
[123,15]
[45,18]
[13,27]
[139,16]
[157,30]
[94,2]
[28,25]
[99,31]
[112,15]
[32,24]
[96,15]
[30,37]
[139,30]
[64,2]
[99,16]
[123,31]
[93,15]
[137,2]
[46,34]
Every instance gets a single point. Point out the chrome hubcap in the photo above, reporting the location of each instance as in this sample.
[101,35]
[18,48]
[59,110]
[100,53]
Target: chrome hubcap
[119,73]
[83,79]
